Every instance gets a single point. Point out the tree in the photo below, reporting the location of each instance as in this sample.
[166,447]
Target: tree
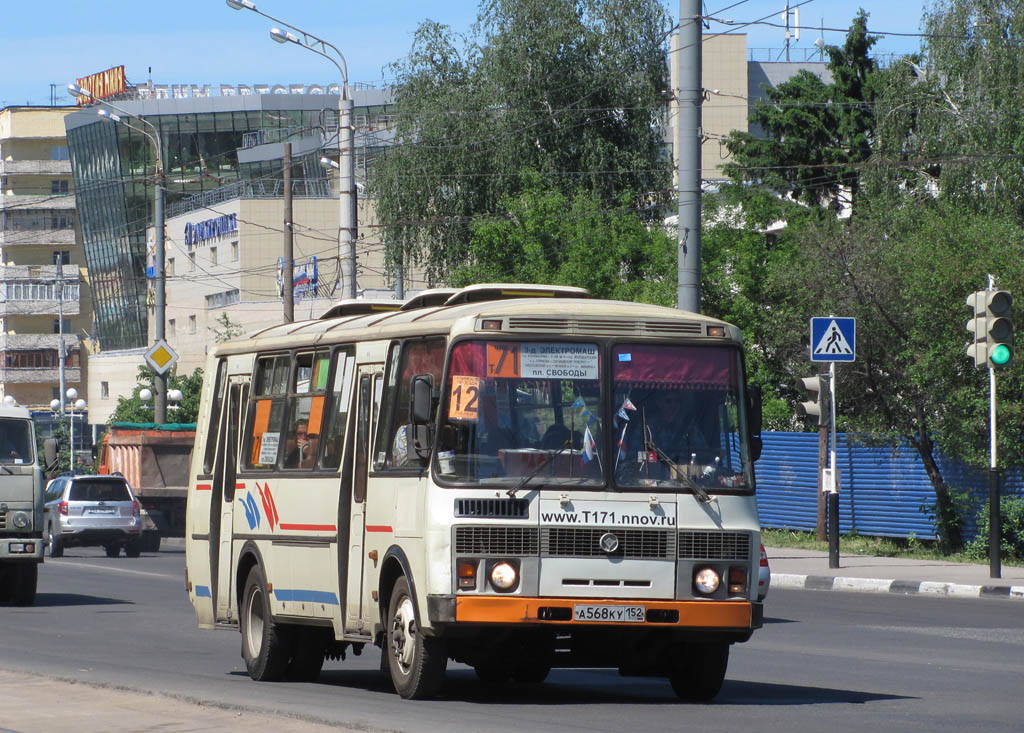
[572,89]
[133,409]
[544,236]
[226,329]
[816,135]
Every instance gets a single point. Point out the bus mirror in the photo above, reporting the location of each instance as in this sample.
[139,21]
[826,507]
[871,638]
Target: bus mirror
[50,454]
[418,443]
[420,391]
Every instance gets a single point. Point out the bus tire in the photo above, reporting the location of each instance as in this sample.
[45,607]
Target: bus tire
[26,578]
[700,671]
[266,645]
[416,662]
[54,544]
[308,649]
[533,674]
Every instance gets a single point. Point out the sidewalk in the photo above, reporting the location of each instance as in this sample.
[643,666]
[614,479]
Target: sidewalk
[809,570]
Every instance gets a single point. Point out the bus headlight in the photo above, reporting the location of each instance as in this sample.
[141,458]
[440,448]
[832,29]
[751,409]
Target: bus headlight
[20,520]
[706,581]
[504,576]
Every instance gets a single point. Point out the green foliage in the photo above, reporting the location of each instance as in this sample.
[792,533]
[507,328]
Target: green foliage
[817,134]
[571,89]
[948,514]
[226,329]
[1011,544]
[133,409]
[548,237]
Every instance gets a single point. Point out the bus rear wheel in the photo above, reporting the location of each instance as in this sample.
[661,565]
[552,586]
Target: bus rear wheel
[416,662]
[266,645]
[699,671]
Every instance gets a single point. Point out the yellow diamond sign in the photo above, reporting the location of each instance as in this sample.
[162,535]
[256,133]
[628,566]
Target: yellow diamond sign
[161,357]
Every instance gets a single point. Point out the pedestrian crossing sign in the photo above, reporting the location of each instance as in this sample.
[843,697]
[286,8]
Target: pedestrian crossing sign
[833,339]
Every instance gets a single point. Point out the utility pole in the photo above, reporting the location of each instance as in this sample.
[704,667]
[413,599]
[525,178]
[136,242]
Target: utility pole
[689,98]
[160,381]
[288,273]
[61,349]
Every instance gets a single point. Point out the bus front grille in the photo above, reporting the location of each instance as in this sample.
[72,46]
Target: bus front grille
[649,544]
[714,545]
[496,540]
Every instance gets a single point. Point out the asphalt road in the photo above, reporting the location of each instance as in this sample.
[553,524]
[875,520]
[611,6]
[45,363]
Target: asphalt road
[824,660]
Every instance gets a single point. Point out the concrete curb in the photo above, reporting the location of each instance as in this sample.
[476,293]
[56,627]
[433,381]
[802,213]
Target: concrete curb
[902,587]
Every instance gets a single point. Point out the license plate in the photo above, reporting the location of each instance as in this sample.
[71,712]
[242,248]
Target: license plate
[101,510]
[610,614]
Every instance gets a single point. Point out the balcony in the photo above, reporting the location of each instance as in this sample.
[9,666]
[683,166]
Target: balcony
[38,237]
[52,201]
[39,375]
[32,291]
[35,167]
[32,341]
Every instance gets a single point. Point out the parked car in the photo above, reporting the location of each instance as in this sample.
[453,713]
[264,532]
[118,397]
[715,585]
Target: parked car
[92,511]
[764,576]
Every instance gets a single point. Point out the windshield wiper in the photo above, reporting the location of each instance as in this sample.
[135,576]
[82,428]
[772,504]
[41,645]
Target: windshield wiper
[540,467]
[682,478]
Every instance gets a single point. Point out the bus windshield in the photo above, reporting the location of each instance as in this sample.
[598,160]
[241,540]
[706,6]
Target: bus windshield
[514,410]
[678,418]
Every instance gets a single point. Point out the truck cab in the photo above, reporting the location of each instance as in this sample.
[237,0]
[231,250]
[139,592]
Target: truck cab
[21,507]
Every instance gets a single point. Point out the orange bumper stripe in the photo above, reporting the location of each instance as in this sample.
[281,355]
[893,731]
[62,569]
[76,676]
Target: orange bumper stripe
[692,614]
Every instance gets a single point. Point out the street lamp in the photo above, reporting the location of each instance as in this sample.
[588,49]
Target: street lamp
[347,185]
[153,135]
[73,404]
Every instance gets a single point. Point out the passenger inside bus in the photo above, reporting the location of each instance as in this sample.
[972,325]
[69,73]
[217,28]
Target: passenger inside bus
[302,451]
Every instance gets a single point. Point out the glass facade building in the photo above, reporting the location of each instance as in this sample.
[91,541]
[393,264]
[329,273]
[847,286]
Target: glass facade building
[201,137]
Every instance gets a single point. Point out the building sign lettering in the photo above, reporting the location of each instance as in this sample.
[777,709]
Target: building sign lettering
[102,85]
[210,229]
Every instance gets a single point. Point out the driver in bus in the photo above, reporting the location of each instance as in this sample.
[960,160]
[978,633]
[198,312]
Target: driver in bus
[673,422]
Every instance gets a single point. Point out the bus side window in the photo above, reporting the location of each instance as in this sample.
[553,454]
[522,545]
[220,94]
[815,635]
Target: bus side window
[306,410]
[266,421]
[211,433]
[333,438]
[416,357]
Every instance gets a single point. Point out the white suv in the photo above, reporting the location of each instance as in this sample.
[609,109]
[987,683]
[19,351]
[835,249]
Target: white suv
[92,511]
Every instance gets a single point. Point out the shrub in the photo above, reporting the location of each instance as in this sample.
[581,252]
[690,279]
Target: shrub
[1011,545]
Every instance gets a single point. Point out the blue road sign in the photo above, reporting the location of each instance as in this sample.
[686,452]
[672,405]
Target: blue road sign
[833,339]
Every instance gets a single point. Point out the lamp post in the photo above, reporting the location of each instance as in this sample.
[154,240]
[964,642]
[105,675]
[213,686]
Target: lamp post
[73,403]
[153,135]
[347,185]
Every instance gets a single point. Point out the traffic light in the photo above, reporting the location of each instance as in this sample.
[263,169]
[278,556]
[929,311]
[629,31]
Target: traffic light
[991,327]
[817,403]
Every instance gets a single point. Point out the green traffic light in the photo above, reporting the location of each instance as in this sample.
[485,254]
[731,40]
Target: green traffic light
[1000,355]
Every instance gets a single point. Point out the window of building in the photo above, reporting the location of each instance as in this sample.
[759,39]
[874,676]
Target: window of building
[59,152]
[191,324]
[169,269]
[172,328]
[219,300]
[213,255]
[105,390]
[62,257]
[191,261]
[61,222]
[58,187]
[234,251]
[57,325]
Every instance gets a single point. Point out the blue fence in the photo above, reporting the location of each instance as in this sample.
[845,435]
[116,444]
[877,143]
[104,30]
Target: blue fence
[883,488]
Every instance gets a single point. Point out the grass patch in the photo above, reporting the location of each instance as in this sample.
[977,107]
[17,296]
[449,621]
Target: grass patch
[872,546]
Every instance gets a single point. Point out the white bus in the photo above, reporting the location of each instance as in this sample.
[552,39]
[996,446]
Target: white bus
[514,477]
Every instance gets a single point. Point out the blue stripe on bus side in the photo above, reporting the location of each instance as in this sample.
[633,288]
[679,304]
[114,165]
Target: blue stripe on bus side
[306,596]
[203,591]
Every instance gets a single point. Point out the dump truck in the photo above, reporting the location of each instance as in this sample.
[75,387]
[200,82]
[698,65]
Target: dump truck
[154,459]
[21,507]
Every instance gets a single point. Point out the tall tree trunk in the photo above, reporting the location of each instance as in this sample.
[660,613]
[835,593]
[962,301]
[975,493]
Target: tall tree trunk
[945,517]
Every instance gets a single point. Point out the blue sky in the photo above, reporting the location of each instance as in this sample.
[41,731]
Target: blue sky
[205,42]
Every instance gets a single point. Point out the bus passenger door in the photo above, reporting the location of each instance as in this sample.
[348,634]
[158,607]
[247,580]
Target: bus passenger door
[228,465]
[362,416]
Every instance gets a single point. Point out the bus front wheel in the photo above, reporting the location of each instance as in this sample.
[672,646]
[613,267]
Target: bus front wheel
[266,646]
[416,662]
[699,671]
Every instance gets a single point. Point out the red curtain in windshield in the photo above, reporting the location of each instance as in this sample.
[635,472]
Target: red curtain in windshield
[693,366]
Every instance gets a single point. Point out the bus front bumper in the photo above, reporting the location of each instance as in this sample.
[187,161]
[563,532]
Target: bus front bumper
[739,615]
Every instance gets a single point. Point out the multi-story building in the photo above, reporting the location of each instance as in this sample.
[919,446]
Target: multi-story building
[43,297]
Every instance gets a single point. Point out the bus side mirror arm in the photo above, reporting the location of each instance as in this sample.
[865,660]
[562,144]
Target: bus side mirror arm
[755,401]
